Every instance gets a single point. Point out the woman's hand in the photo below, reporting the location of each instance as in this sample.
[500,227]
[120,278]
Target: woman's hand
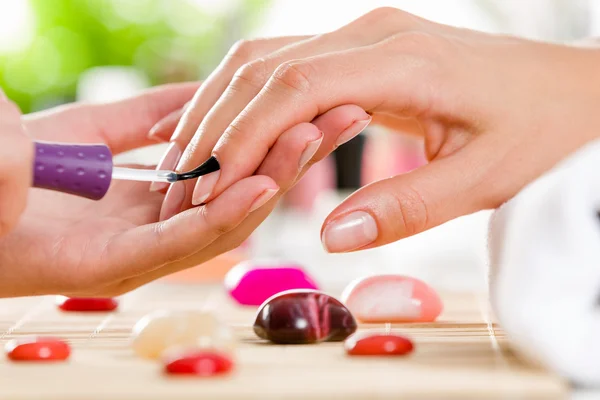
[16,155]
[494,112]
[69,245]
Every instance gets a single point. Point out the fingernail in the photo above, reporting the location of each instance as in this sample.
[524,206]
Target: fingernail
[349,232]
[168,161]
[263,199]
[353,130]
[309,151]
[2,95]
[173,201]
[156,128]
[160,125]
[204,187]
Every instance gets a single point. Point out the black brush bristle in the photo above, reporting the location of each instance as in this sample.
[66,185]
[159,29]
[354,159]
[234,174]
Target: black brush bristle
[210,165]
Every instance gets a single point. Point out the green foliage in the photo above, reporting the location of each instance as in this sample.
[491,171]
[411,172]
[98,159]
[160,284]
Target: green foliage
[168,40]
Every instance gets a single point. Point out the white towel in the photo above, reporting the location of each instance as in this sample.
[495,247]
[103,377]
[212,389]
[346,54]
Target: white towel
[544,247]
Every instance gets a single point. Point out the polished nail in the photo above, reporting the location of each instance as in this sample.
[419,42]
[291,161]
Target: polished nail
[168,161]
[349,232]
[204,187]
[171,119]
[263,199]
[310,151]
[352,131]
[173,201]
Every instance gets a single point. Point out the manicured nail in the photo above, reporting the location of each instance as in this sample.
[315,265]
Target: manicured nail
[349,232]
[263,199]
[204,187]
[168,161]
[170,119]
[353,130]
[310,151]
[173,201]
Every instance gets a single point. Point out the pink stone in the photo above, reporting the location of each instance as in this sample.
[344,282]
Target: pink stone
[252,283]
[392,298]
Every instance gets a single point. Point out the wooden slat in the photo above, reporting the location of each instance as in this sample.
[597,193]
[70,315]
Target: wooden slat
[463,355]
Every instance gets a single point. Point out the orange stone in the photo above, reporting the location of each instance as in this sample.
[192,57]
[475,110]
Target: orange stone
[392,298]
[86,304]
[37,349]
[377,344]
[199,363]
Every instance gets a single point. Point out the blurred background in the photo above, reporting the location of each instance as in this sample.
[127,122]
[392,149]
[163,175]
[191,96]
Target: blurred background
[58,51]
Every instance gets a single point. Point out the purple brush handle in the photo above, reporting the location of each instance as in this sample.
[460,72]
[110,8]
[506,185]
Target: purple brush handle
[81,169]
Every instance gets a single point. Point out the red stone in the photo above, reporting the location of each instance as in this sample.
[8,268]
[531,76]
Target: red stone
[199,363]
[86,304]
[376,344]
[37,349]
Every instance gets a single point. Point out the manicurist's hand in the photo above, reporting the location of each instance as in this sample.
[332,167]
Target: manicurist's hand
[16,155]
[494,111]
[69,245]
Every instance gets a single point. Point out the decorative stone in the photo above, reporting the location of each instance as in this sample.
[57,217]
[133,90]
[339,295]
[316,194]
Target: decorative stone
[303,316]
[200,363]
[182,330]
[392,298]
[37,349]
[377,344]
[251,282]
[86,304]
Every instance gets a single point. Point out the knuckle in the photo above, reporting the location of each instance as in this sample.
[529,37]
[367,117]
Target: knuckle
[413,215]
[242,50]
[390,17]
[296,76]
[239,127]
[381,13]
[253,74]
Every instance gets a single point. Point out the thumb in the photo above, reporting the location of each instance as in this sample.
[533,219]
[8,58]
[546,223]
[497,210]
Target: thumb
[404,205]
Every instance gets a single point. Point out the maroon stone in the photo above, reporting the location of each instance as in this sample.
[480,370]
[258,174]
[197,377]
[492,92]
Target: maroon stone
[303,316]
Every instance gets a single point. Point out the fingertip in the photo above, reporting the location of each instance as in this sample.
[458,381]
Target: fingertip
[350,231]
[340,117]
[260,182]
[163,130]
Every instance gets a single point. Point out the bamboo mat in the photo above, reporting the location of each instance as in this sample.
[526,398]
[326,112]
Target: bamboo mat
[463,355]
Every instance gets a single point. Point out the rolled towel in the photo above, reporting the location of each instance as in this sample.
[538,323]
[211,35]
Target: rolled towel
[544,248]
